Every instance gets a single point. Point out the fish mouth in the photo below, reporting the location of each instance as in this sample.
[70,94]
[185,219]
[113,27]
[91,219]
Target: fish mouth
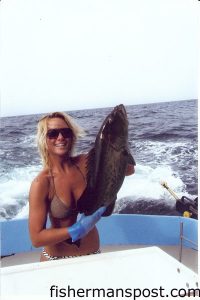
[118,112]
[115,124]
[120,109]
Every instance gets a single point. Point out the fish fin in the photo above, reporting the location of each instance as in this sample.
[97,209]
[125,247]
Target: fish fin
[109,210]
[91,167]
[130,159]
[84,202]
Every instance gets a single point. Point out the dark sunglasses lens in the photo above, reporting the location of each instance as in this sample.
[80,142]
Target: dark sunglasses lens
[54,133]
[66,132]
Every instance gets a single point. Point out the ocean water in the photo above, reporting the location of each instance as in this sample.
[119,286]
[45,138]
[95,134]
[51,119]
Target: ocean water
[162,139]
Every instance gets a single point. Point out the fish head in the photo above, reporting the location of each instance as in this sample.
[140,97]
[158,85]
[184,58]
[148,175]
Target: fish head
[115,127]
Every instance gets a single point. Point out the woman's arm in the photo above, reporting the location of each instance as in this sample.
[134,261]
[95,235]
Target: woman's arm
[38,210]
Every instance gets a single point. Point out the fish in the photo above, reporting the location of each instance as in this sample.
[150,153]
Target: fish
[106,164]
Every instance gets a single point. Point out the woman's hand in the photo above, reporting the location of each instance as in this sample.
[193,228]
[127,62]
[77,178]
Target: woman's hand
[85,224]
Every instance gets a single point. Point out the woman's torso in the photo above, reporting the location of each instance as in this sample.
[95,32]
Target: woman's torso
[64,191]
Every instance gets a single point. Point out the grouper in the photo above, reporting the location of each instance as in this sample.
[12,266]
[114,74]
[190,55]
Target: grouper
[107,164]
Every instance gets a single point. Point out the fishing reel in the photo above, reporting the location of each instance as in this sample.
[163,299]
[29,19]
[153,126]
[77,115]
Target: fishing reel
[186,206]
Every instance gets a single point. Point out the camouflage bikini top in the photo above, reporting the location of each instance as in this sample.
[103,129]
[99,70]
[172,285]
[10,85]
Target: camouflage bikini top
[58,209]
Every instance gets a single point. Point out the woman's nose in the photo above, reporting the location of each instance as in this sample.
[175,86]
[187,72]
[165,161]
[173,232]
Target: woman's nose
[60,136]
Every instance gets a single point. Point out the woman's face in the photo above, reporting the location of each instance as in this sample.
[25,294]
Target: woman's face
[58,142]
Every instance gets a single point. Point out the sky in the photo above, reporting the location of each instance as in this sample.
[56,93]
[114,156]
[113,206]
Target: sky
[61,55]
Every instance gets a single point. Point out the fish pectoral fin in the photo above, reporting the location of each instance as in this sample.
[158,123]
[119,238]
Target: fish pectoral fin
[82,201]
[86,201]
[130,159]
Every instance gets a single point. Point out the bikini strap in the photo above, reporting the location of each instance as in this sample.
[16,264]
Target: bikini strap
[79,169]
[54,186]
[55,194]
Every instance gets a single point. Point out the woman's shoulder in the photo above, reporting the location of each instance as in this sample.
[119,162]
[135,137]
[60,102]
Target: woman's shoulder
[39,189]
[80,159]
[42,179]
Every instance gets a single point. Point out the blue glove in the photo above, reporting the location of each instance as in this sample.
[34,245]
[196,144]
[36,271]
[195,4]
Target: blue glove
[85,224]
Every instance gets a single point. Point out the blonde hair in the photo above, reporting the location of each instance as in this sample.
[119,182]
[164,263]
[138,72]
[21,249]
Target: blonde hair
[42,129]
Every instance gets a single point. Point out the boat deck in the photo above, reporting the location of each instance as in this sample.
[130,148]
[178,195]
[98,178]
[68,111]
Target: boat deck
[138,270]
[189,256]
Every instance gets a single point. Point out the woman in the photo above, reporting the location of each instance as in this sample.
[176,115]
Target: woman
[56,190]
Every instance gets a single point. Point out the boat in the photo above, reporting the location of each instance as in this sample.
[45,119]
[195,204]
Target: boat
[141,254]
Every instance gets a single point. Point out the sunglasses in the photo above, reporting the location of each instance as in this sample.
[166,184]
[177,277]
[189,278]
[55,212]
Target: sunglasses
[54,133]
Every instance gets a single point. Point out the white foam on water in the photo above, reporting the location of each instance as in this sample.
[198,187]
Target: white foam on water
[167,152]
[15,189]
[23,214]
[145,184]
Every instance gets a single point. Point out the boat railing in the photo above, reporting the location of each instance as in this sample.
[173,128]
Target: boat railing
[183,238]
[118,229]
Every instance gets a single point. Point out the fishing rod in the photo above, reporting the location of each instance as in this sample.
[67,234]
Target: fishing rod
[164,184]
[184,205]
